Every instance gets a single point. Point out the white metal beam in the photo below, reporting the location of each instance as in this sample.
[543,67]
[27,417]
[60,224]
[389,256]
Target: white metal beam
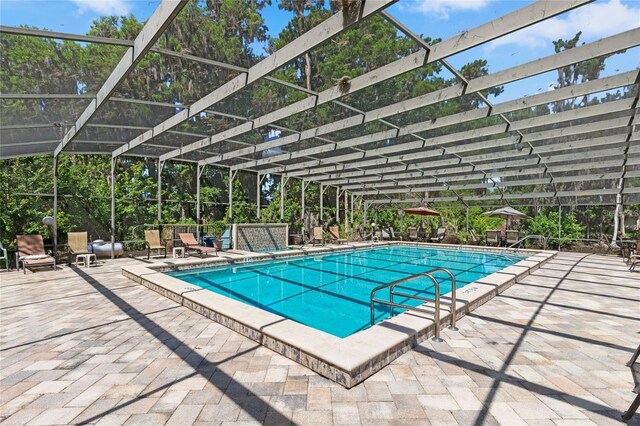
[306,42]
[152,30]
[439,143]
[623,79]
[521,18]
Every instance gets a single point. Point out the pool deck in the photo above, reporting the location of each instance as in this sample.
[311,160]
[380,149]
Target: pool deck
[89,345]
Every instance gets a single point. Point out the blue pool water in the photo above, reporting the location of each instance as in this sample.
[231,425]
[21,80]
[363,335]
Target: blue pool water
[330,292]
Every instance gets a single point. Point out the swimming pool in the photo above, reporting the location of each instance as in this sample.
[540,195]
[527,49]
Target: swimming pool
[331,292]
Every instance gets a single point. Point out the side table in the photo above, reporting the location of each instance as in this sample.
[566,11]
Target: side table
[86,259]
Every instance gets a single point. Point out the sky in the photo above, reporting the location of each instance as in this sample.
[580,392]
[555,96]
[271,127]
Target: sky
[432,18]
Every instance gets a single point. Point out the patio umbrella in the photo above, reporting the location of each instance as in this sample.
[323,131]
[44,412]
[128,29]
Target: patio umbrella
[422,211]
[507,213]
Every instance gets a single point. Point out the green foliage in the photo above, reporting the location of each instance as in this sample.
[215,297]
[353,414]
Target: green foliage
[218,227]
[243,210]
[481,223]
[546,224]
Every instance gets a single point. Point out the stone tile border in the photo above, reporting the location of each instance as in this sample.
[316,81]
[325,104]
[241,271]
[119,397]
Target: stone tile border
[346,361]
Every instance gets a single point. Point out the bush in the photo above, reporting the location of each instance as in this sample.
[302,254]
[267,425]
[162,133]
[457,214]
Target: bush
[546,224]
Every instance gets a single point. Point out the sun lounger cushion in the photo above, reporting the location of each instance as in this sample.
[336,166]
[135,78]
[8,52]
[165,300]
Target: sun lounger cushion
[35,257]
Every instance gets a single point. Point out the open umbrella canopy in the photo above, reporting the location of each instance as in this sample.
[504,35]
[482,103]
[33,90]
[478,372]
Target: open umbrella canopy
[422,211]
[507,213]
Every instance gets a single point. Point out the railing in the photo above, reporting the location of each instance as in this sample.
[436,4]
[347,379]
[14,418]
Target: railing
[392,293]
[521,240]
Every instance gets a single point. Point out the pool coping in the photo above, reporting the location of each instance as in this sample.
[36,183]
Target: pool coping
[347,361]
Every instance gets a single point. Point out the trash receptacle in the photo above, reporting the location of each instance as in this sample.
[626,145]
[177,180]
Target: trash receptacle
[208,240]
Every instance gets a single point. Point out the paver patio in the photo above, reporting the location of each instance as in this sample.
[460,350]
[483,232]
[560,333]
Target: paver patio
[90,346]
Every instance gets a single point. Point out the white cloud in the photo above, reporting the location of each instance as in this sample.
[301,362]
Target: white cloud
[596,20]
[442,8]
[103,7]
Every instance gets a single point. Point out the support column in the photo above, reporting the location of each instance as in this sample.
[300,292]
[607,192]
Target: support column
[364,213]
[559,225]
[321,203]
[337,204]
[55,208]
[199,170]
[114,161]
[351,226]
[160,167]
[467,225]
[283,184]
[258,194]
[232,176]
[304,186]
[346,215]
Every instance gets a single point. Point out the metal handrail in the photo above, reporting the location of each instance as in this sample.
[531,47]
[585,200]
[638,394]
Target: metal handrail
[521,240]
[391,286]
[452,322]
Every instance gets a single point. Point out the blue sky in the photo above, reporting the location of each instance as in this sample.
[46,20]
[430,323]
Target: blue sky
[433,18]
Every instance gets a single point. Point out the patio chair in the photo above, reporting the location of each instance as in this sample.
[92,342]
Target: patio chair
[413,233]
[634,257]
[634,365]
[440,234]
[31,253]
[317,236]
[493,237]
[77,244]
[362,233]
[189,242]
[152,242]
[226,240]
[334,233]
[392,233]
[3,255]
[512,237]
[474,239]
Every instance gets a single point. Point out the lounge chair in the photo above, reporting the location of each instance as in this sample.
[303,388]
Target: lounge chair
[362,233]
[77,244]
[413,233]
[474,239]
[190,243]
[440,234]
[317,236]
[226,240]
[31,253]
[152,242]
[512,237]
[3,255]
[493,237]
[334,233]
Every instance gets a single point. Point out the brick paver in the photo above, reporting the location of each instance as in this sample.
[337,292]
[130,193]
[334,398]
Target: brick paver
[90,346]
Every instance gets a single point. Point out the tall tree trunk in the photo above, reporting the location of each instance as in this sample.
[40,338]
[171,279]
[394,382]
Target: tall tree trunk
[623,234]
[307,69]
[616,215]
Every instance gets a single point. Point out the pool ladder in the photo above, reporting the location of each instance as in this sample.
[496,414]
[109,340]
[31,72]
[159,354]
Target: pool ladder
[436,315]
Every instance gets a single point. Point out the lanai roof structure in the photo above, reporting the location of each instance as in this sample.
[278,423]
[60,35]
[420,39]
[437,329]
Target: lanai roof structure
[387,152]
